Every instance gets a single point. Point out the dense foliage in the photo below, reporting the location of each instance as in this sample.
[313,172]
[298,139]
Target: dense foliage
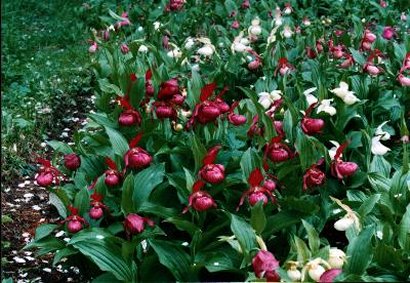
[237,140]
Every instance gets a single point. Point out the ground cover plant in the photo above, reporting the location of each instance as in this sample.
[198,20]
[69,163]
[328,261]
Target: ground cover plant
[239,141]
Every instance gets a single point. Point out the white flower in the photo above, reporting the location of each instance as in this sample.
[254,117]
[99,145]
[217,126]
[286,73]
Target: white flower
[240,44]
[345,94]
[244,41]
[350,99]
[189,43]
[287,32]
[384,136]
[377,147]
[332,151]
[143,49]
[157,25]
[266,98]
[310,98]
[342,90]
[294,274]
[315,271]
[206,50]
[255,28]
[344,223]
[278,16]
[175,53]
[336,258]
[325,106]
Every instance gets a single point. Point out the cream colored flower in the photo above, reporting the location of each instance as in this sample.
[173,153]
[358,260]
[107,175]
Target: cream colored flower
[377,147]
[310,98]
[345,94]
[325,106]
[384,136]
[206,50]
[143,49]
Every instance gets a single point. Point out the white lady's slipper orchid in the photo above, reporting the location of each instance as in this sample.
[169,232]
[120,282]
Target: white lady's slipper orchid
[292,270]
[287,32]
[337,258]
[345,94]
[332,151]
[315,269]
[255,28]
[344,223]
[310,98]
[266,99]
[384,136]
[278,17]
[174,53]
[143,49]
[348,220]
[272,35]
[157,25]
[378,148]
[325,106]
[240,44]
[306,22]
[206,50]
[189,43]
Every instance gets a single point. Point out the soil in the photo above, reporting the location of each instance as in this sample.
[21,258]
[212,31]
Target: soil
[25,205]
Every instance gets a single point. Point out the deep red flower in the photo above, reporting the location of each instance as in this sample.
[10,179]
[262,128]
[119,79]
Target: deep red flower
[264,265]
[135,224]
[72,161]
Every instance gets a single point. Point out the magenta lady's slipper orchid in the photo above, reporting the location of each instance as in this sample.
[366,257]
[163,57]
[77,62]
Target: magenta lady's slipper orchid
[47,173]
[329,275]
[72,161]
[124,48]
[340,168]
[313,177]
[388,33]
[404,81]
[256,192]
[135,224]
[74,221]
[137,157]
[112,176]
[264,265]
[97,207]
[199,200]
[210,172]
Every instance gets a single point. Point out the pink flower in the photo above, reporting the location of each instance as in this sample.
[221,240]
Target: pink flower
[72,161]
[264,265]
[330,275]
[313,177]
[404,81]
[212,173]
[235,25]
[199,200]
[124,48]
[135,224]
[388,32]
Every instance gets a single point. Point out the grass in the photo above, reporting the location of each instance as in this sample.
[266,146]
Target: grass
[44,47]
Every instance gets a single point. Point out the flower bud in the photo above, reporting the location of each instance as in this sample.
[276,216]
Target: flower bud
[124,48]
[72,161]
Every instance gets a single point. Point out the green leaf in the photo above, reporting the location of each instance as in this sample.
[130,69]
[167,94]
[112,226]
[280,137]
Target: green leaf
[60,147]
[145,182]
[281,220]
[118,142]
[380,165]
[301,249]
[175,259]
[44,230]
[258,218]
[243,233]
[198,150]
[127,204]
[379,183]
[249,161]
[55,200]
[82,201]
[404,230]
[368,205]
[357,56]
[388,257]
[102,120]
[60,254]
[183,225]
[360,252]
[107,256]
[313,237]
[106,278]
[46,245]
